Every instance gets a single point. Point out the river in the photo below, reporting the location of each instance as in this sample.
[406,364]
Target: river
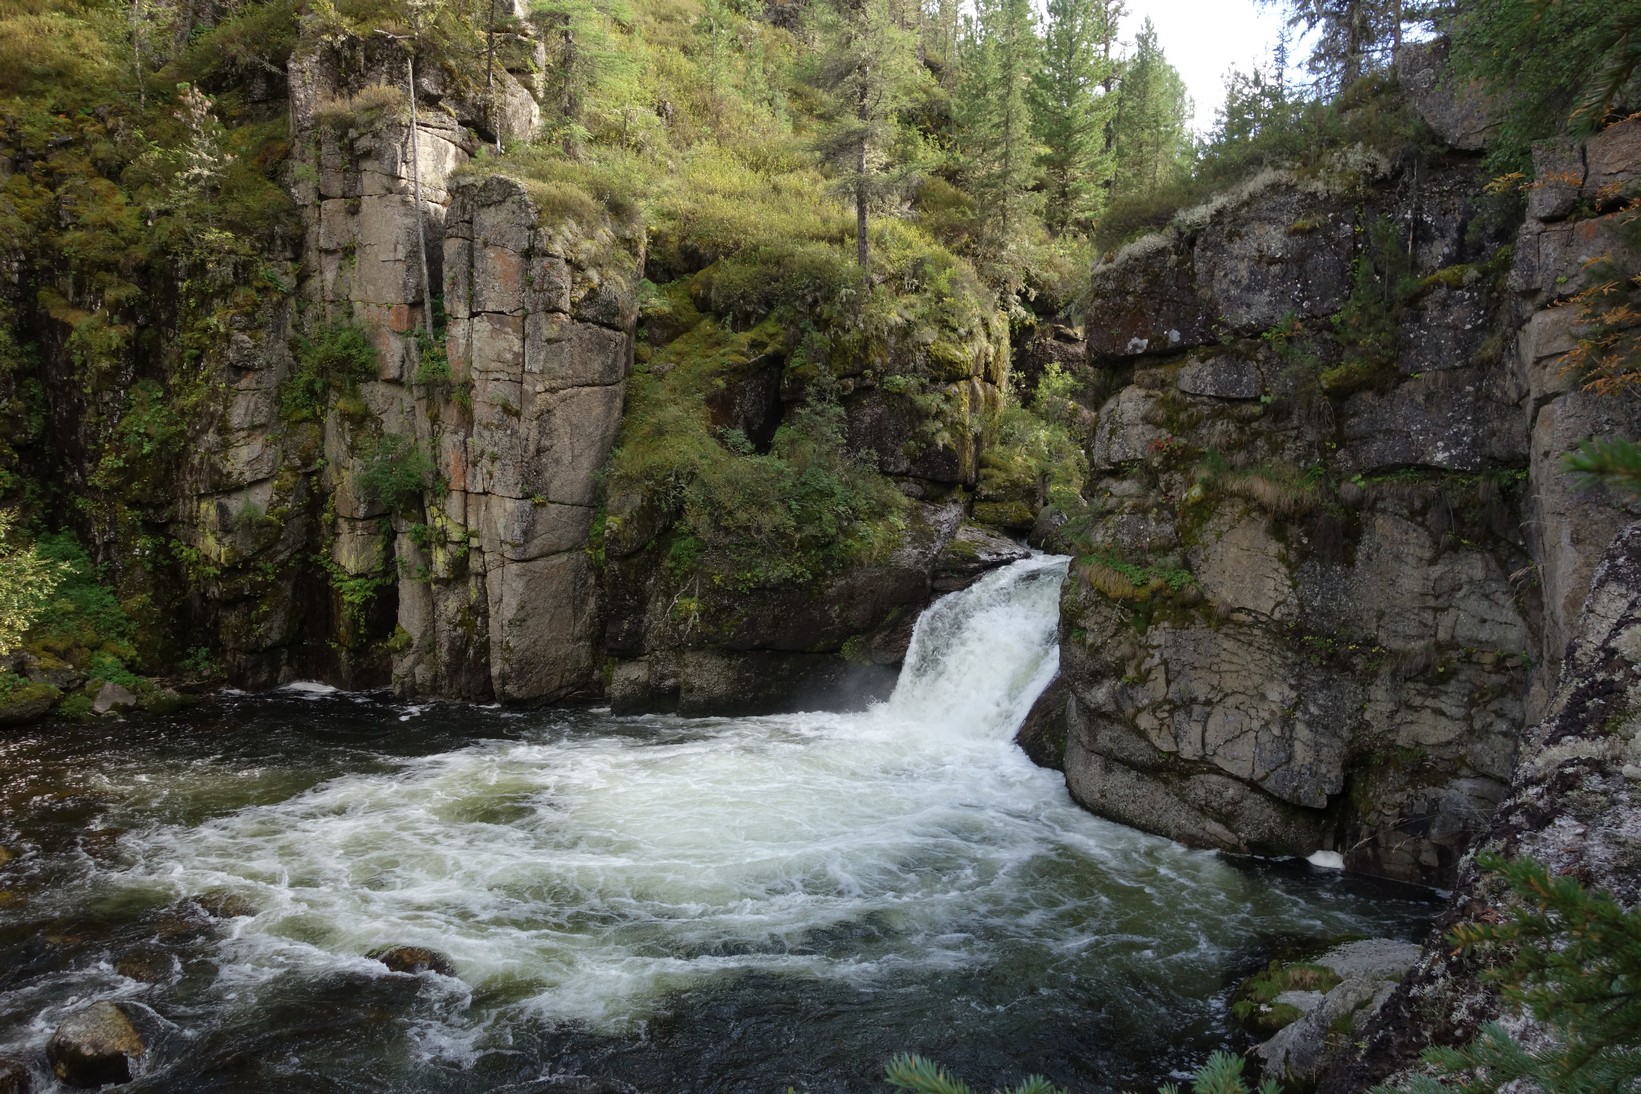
[636,903]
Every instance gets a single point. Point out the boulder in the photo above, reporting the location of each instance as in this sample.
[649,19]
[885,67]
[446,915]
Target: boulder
[1461,114]
[104,1042]
[28,703]
[112,697]
[972,552]
[413,959]
[1370,970]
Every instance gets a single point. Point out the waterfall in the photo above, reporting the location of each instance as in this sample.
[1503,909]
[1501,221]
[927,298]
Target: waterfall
[979,658]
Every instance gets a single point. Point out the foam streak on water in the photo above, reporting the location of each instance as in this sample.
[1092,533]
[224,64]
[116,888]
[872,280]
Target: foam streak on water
[593,876]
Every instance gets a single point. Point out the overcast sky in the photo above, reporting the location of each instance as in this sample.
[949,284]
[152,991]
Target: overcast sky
[1204,38]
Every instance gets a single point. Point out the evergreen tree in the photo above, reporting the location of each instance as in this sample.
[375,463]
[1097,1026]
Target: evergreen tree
[1571,65]
[1352,37]
[1073,110]
[865,66]
[1152,141]
[995,130]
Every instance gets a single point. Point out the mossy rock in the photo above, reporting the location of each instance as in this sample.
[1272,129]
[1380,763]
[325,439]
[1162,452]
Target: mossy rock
[1257,1003]
[1004,514]
[27,702]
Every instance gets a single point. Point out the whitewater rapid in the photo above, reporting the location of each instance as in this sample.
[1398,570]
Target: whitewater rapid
[901,878]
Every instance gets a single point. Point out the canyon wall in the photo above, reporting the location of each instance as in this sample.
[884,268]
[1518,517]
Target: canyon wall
[1334,557]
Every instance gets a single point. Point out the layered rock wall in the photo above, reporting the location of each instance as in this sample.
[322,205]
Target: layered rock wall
[1336,556]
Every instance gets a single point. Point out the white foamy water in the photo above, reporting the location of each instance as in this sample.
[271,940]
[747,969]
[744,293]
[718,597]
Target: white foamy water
[585,877]
[581,872]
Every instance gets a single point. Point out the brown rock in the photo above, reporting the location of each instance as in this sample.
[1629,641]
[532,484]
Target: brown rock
[413,959]
[102,1043]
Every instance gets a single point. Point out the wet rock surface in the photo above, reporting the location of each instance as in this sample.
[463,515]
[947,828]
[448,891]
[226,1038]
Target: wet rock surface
[102,1043]
[413,959]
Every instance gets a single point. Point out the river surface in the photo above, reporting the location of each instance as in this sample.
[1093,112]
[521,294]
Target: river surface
[639,903]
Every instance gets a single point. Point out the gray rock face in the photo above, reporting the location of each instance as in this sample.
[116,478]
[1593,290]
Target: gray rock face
[1572,805]
[1327,657]
[1459,112]
[103,1042]
[542,329]
[1343,589]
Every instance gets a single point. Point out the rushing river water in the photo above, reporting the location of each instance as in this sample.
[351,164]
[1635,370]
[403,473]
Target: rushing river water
[647,903]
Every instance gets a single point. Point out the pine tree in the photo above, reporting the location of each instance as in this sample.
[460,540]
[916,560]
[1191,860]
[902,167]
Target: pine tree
[996,133]
[1152,142]
[865,66]
[1577,970]
[1073,110]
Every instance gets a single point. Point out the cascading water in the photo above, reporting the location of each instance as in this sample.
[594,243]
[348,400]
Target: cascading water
[677,904]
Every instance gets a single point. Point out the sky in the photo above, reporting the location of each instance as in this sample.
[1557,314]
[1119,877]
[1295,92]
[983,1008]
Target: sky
[1204,38]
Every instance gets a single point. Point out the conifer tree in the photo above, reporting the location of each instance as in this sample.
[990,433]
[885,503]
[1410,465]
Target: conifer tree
[1073,110]
[1351,37]
[865,66]
[1152,141]
[996,132]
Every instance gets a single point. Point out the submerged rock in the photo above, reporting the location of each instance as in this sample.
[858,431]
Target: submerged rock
[14,1076]
[103,1043]
[146,965]
[224,905]
[413,959]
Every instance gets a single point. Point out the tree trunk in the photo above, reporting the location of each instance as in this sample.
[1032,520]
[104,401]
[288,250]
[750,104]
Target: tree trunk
[863,252]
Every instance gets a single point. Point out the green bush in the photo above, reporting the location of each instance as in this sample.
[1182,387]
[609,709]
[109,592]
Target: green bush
[84,619]
[332,359]
[397,472]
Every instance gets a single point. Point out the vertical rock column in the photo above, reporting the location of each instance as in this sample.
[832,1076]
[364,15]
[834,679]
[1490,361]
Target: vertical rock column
[541,311]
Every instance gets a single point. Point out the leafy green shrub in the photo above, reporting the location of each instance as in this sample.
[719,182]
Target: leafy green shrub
[27,580]
[331,359]
[83,618]
[397,472]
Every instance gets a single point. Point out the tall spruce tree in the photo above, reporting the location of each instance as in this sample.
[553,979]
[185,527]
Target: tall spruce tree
[995,129]
[1152,140]
[865,66]
[1073,110]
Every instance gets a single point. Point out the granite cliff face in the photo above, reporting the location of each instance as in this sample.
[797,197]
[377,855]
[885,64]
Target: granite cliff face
[441,521]
[471,565]
[1335,557]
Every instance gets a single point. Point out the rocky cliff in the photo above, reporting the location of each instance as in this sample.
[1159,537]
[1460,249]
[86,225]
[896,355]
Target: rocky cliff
[1333,557]
[376,443]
